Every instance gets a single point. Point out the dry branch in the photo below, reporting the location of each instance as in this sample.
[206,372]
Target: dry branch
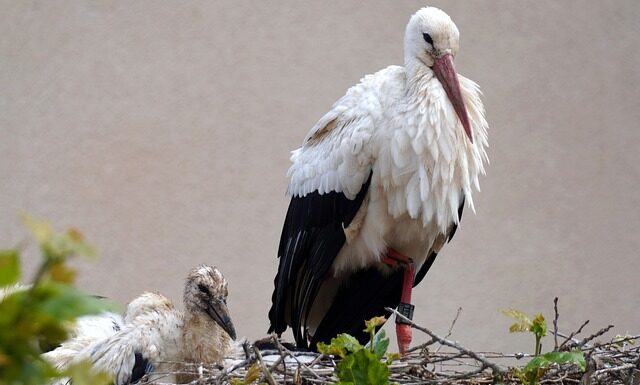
[438,361]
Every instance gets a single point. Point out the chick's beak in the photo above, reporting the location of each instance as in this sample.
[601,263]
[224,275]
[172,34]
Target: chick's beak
[446,74]
[218,310]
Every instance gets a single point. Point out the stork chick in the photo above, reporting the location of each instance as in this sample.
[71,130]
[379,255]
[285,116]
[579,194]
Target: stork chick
[163,334]
[208,332]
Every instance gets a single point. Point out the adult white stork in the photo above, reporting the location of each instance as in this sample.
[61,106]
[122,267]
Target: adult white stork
[377,188]
[161,333]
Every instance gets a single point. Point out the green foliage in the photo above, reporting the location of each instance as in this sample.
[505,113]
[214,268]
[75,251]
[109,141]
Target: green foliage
[361,365]
[9,267]
[251,377]
[340,346]
[620,341]
[537,326]
[40,314]
[83,374]
[535,369]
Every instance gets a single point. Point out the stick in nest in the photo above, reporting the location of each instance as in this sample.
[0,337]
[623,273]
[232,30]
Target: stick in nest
[555,324]
[570,338]
[265,370]
[583,342]
[495,368]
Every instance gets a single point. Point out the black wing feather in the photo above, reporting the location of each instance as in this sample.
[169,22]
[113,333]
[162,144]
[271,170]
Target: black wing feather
[141,367]
[312,236]
[372,291]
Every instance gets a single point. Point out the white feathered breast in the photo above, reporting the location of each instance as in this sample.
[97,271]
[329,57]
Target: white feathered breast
[408,134]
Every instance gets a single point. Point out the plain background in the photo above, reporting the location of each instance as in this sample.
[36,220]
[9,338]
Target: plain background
[162,130]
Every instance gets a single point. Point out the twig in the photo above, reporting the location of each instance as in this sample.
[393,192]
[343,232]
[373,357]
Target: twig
[225,372]
[453,323]
[495,368]
[465,375]
[606,344]
[573,334]
[600,372]
[282,358]
[591,337]
[555,324]
[632,372]
[567,337]
[282,347]
[265,370]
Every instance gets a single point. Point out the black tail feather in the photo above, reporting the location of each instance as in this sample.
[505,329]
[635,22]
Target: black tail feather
[363,296]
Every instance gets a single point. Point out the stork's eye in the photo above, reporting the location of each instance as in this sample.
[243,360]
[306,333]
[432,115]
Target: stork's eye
[203,289]
[427,38]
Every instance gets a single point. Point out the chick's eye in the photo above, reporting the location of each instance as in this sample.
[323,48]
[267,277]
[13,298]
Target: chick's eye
[203,289]
[427,38]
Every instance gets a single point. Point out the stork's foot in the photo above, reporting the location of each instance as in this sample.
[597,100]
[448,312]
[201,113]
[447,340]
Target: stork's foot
[404,335]
[403,328]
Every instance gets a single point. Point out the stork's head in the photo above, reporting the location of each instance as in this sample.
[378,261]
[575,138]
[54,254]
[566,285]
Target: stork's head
[432,40]
[206,293]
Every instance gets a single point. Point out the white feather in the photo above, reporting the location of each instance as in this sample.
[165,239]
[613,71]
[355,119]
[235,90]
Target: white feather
[399,124]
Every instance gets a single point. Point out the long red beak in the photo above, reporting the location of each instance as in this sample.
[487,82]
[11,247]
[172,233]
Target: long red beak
[446,73]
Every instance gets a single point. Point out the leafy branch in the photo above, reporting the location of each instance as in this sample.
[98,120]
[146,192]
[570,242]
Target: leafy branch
[362,365]
[38,316]
[536,368]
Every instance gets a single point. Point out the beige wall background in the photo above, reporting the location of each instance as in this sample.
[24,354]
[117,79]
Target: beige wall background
[162,130]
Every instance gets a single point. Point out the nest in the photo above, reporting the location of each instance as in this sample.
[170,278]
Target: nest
[437,361]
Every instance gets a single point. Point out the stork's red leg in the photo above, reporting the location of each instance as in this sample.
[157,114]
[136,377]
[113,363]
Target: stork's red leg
[403,329]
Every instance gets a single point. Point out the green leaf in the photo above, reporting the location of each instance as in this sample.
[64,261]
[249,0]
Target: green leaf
[363,368]
[517,314]
[38,316]
[380,344]
[619,340]
[82,373]
[70,243]
[66,303]
[523,324]
[9,267]
[60,272]
[539,326]
[575,357]
[393,357]
[253,373]
[340,345]
[40,229]
[373,323]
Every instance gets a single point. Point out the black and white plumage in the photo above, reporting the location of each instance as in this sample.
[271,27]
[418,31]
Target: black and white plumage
[91,329]
[389,167]
[159,333]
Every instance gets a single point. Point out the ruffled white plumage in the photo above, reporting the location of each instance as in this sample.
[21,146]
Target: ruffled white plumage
[155,335]
[392,162]
[407,133]
[86,331]
[156,332]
